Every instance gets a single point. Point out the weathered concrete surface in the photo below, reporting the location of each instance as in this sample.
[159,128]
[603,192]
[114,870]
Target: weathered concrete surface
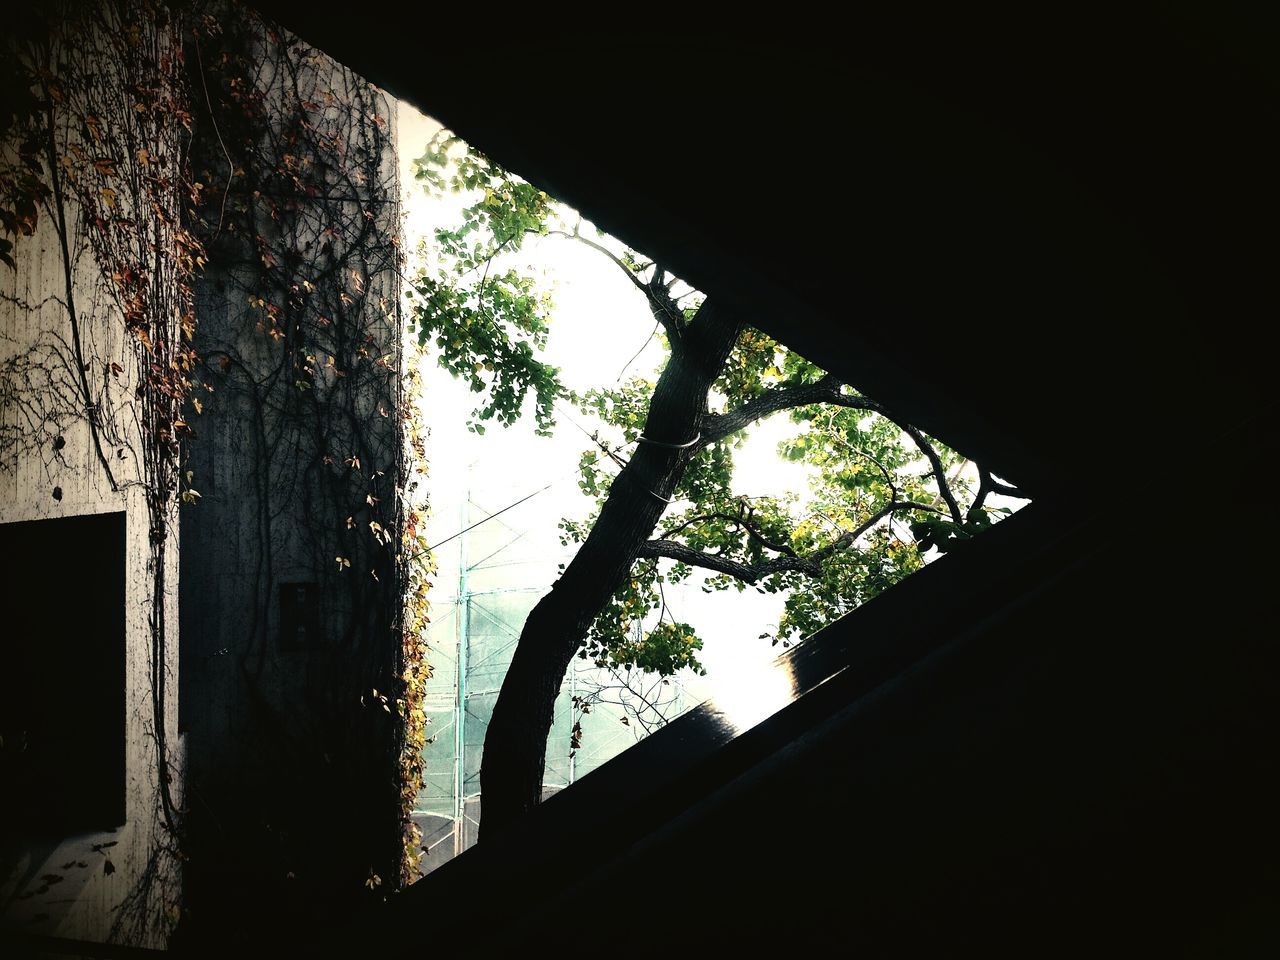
[294,800]
[296,457]
[49,471]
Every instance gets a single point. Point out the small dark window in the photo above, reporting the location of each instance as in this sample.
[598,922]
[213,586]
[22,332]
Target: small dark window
[62,676]
[299,616]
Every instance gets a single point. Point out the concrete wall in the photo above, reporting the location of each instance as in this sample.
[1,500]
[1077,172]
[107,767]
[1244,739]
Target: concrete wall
[290,800]
[294,798]
[119,884]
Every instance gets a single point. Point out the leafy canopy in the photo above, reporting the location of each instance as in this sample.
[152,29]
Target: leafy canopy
[489,327]
[875,504]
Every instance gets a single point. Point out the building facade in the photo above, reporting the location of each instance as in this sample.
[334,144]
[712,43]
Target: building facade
[199,322]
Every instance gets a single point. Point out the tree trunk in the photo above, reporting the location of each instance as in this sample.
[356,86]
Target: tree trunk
[516,744]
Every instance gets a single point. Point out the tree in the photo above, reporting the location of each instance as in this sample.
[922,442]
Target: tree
[885,492]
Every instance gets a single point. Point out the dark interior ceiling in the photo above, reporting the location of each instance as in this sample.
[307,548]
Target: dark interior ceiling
[1048,242]
[1052,245]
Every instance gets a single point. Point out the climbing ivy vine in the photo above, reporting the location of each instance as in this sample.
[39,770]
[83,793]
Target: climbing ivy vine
[193,158]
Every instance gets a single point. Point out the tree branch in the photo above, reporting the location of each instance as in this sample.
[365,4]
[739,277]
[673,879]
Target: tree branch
[661,306]
[824,390]
[661,301]
[811,565]
[639,284]
[1007,491]
[674,550]
[987,484]
[846,540]
[827,389]
[742,522]
[939,472]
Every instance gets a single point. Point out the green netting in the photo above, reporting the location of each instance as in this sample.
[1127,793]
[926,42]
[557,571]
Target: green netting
[438,794]
[472,639]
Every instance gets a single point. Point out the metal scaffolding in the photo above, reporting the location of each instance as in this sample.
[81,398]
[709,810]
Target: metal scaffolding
[472,639]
